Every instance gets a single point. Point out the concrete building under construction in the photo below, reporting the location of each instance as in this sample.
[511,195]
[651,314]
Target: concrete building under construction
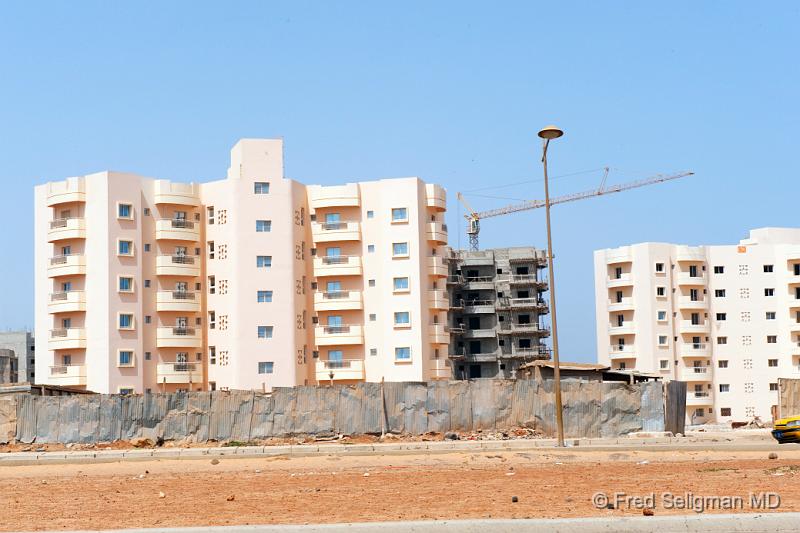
[496,311]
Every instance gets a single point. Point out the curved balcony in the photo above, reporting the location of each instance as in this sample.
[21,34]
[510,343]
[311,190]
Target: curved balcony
[625,280]
[167,192]
[684,302]
[335,231]
[339,265]
[188,301]
[66,228]
[437,267]
[337,300]
[699,398]
[334,196]
[179,372]
[67,375]
[67,191]
[795,345]
[626,328]
[67,301]
[66,265]
[178,337]
[619,255]
[690,253]
[621,351]
[178,265]
[625,304]
[437,299]
[435,197]
[67,339]
[439,334]
[437,232]
[440,368]
[686,326]
[177,230]
[684,278]
[338,335]
[694,349]
[697,373]
[345,369]
[794,326]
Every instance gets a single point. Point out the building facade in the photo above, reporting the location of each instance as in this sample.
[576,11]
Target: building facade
[22,358]
[250,282]
[497,310]
[725,319]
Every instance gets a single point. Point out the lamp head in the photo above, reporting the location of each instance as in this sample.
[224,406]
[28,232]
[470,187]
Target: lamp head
[550,132]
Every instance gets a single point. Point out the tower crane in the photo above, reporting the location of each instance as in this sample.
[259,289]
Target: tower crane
[474,217]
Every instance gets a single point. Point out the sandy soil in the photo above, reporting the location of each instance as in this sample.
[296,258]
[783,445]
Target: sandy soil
[412,487]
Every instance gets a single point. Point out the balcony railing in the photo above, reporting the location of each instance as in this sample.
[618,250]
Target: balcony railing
[180,223]
[697,370]
[336,260]
[61,259]
[333,226]
[183,331]
[183,295]
[335,295]
[183,259]
[478,279]
[333,330]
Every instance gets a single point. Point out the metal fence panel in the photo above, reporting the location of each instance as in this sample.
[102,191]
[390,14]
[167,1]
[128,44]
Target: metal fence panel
[26,418]
[437,406]
[8,418]
[47,423]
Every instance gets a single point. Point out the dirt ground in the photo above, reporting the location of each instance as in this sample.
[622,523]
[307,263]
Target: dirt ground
[547,484]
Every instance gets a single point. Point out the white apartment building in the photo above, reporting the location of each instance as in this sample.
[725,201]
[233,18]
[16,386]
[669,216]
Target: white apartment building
[725,319]
[250,282]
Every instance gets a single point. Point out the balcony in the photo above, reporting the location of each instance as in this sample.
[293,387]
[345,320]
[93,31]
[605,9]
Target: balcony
[177,230]
[685,302]
[439,334]
[178,265]
[179,373]
[188,301]
[66,301]
[794,326]
[699,398]
[67,339]
[440,368]
[697,373]
[437,232]
[66,265]
[67,375]
[478,283]
[694,349]
[346,369]
[337,300]
[178,337]
[525,280]
[619,255]
[624,304]
[690,253]
[338,335]
[477,307]
[335,231]
[437,299]
[509,328]
[339,265]
[66,228]
[686,326]
[67,191]
[435,197]
[536,352]
[795,348]
[479,333]
[684,278]
[621,351]
[521,303]
[436,267]
[623,280]
[167,192]
[334,196]
[625,328]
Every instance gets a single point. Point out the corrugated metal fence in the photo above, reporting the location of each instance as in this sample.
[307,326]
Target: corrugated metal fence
[790,397]
[591,409]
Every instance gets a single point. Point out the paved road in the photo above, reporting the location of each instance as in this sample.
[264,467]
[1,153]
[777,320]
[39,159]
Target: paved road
[662,524]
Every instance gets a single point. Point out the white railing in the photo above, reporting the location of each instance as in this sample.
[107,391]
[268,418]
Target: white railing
[335,295]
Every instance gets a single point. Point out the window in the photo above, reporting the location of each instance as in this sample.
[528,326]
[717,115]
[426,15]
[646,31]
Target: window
[773,387]
[148,319]
[147,247]
[719,270]
[400,284]
[721,316]
[722,340]
[724,411]
[264,297]
[770,315]
[373,317]
[659,268]
[772,363]
[402,318]
[261,187]
[212,284]
[125,358]
[722,363]
[768,268]
[662,316]
[264,332]
[661,291]
[125,211]
[263,261]
[371,248]
[662,340]
[263,226]
[124,247]
[400,249]
[212,320]
[126,390]
[399,214]
[719,293]
[402,354]
[211,249]
[266,367]
[372,283]
[125,284]
[210,213]
[147,356]
[724,387]
[373,351]
[370,214]
[769,292]
[125,321]
[663,364]
[147,284]
[146,211]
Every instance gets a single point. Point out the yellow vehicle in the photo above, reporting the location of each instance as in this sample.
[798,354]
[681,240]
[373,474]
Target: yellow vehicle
[787,429]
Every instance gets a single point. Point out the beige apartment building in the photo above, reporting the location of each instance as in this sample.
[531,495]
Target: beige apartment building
[725,319]
[250,282]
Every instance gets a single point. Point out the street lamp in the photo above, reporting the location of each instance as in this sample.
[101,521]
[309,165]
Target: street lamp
[547,134]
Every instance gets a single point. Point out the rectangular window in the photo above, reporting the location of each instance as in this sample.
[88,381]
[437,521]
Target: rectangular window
[125,248]
[124,211]
[772,363]
[400,249]
[125,321]
[770,315]
[773,387]
[724,411]
[261,187]
[662,316]
[400,284]
[264,297]
[264,332]
[263,226]
[146,211]
[399,214]
[125,358]
[264,261]
[719,270]
[125,284]
[125,391]
[663,364]
[147,284]
[147,356]
[266,367]
[371,248]
[722,316]
[371,283]
[148,319]
[724,387]
[768,268]
[722,363]
[211,249]
[719,293]
[373,351]
[402,318]
[402,354]
[659,267]
[370,214]
[147,247]
[210,213]
[769,292]
[662,340]
[722,340]
[661,291]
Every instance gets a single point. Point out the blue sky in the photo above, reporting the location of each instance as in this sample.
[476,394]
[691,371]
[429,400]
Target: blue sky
[452,92]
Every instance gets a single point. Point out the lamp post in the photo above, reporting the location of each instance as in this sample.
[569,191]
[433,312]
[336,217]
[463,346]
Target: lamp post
[547,134]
